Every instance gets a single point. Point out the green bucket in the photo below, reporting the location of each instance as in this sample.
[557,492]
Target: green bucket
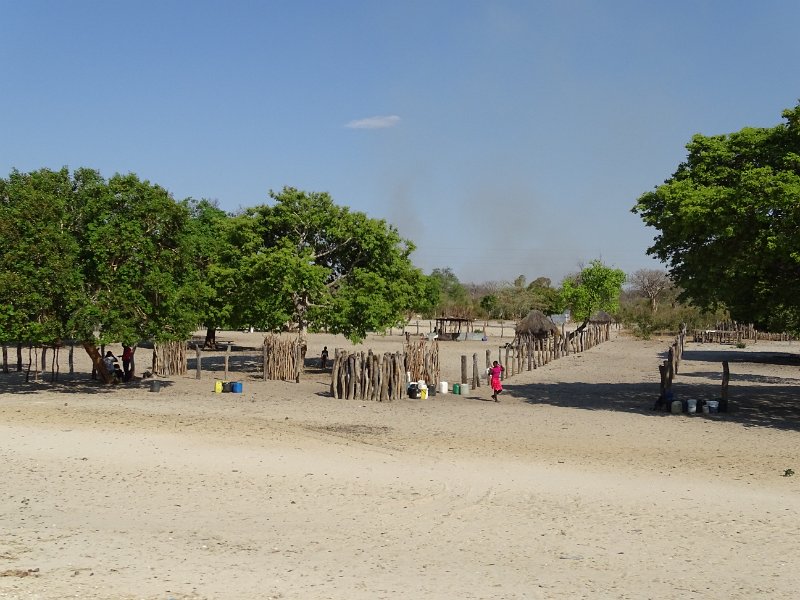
[456,388]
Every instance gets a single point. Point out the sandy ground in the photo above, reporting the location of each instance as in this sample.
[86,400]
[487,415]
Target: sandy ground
[571,487]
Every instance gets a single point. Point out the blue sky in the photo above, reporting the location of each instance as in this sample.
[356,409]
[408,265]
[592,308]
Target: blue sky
[502,137]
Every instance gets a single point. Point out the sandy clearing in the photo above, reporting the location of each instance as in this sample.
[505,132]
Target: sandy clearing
[569,488]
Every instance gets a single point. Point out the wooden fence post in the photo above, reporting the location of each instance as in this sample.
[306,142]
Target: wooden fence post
[726,375]
[264,360]
[198,366]
[227,356]
[671,364]
[463,368]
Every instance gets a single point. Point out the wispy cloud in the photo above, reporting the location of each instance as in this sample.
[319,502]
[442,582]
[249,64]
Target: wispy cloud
[374,122]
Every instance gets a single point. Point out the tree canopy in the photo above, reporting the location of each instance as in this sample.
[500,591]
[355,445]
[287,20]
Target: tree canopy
[729,223]
[120,260]
[316,264]
[92,259]
[597,287]
[453,298]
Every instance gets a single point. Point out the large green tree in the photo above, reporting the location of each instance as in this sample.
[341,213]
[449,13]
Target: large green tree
[316,264]
[214,240]
[137,263]
[597,287]
[39,282]
[729,223]
[95,260]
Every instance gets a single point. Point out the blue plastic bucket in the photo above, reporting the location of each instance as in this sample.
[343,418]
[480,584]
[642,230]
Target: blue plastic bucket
[236,387]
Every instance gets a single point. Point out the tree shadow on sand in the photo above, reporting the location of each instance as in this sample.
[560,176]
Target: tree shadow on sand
[77,383]
[775,403]
[740,356]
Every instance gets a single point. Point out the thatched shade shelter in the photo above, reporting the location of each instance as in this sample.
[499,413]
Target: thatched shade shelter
[536,324]
[452,328]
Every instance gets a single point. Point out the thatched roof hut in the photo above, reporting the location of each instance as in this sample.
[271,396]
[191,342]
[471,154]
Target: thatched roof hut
[601,317]
[535,324]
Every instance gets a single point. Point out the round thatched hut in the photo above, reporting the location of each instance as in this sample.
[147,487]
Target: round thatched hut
[601,318]
[536,325]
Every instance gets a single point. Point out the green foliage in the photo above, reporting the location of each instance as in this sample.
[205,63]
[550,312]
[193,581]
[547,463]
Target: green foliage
[426,296]
[454,300]
[137,265]
[315,263]
[84,255]
[489,304]
[728,220]
[597,287]
[640,320]
[636,315]
[39,284]
[217,258]
[515,300]
[120,260]
[545,297]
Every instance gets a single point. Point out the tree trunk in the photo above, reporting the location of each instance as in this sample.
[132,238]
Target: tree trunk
[97,362]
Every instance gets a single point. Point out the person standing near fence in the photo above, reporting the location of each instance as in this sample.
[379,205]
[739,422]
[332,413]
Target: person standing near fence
[494,377]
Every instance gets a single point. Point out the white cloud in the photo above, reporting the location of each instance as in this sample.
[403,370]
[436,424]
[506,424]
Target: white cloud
[374,122]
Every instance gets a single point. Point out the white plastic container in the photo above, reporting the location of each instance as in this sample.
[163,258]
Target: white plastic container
[705,409]
[713,406]
[464,389]
[442,387]
[677,407]
[691,406]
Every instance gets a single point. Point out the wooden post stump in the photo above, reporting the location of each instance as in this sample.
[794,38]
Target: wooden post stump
[726,376]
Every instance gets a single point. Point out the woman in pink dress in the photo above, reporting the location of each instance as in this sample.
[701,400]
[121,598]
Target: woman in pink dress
[494,379]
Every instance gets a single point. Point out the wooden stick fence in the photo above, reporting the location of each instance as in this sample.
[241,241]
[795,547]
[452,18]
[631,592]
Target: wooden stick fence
[531,352]
[669,368]
[735,333]
[282,358]
[368,376]
[169,358]
[422,360]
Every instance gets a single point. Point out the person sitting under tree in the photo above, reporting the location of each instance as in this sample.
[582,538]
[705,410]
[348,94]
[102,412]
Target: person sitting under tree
[112,366]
